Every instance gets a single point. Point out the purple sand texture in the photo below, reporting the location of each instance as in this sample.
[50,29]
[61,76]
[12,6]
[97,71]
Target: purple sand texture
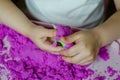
[25,61]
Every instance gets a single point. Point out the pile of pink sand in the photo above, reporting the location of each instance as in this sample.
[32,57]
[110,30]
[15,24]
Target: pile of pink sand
[20,59]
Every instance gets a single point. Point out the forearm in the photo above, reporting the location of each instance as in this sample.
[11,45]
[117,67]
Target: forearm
[14,18]
[110,30]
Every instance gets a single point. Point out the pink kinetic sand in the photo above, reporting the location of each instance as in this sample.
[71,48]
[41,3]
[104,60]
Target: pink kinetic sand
[20,59]
[63,31]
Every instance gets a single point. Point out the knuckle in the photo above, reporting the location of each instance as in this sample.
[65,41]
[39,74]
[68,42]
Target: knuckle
[88,54]
[94,58]
[84,45]
[68,60]
[75,61]
[91,58]
[72,60]
[65,53]
[68,53]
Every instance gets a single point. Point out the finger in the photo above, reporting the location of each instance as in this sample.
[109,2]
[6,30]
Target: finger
[76,59]
[48,46]
[49,32]
[67,59]
[73,60]
[86,60]
[84,55]
[51,48]
[70,38]
[71,51]
[86,63]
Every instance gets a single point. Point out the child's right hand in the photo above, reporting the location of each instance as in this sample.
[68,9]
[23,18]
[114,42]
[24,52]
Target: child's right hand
[39,35]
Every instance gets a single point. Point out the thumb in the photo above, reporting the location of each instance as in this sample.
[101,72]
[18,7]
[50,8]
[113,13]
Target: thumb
[50,32]
[70,38]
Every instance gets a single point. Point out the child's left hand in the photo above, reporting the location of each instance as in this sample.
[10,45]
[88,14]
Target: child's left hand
[85,50]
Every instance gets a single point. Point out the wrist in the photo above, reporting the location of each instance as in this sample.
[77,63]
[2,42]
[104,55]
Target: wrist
[103,35]
[98,36]
[29,30]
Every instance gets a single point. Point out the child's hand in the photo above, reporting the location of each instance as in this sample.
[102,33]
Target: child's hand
[85,50]
[41,37]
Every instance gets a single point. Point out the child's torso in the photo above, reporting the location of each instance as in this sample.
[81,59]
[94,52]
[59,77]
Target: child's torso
[68,12]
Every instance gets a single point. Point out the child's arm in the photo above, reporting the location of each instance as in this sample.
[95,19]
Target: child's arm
[14,18]
[110,30]
[88,43]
